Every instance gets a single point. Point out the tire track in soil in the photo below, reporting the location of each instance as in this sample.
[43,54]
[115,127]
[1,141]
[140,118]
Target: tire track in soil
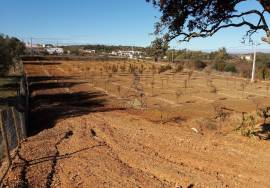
[54,160]
[23,173]
[25,164]
[116,157]
[186,169]
[106,127]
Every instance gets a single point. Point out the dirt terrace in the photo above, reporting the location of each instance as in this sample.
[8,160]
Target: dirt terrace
[84,134]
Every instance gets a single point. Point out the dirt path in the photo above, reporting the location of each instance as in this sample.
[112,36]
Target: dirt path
[90,142]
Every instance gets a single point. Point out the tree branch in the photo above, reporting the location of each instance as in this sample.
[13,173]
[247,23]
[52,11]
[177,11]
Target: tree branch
[213,30]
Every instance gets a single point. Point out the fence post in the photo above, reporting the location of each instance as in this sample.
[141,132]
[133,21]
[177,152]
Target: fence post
[15,125]
[27,103]
[5,140]
[22,123]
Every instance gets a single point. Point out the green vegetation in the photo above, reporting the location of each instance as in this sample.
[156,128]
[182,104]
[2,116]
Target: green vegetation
[199,65]
[185,54]
[179,68]
[263,66]
[219,60]
[159,47]
[219,65]
[230,68]
[190,55]
[264,59]
[74,49]
[220,55]
[10,50]
[164,68]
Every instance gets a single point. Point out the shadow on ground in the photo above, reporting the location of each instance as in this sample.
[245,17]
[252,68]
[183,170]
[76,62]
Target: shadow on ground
[8,101]
[42,63]
[264,133]
[46,108]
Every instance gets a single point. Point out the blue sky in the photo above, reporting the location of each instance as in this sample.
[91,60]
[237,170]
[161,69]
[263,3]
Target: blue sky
[123,22]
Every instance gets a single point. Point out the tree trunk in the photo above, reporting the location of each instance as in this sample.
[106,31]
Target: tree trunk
[267,38]
[265,4]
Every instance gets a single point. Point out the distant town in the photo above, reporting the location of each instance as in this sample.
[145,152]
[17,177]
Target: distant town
[130,52]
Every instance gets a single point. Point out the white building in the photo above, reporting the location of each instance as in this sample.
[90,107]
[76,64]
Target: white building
[128,53]
[246,57]
[87,51]
[57,51]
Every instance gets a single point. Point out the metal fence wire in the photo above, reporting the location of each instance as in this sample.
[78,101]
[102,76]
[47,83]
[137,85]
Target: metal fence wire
[13,124]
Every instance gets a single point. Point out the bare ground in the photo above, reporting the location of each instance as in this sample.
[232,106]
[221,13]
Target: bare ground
[81,137]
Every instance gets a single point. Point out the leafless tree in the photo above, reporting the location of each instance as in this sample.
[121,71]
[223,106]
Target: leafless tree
[190,73]
[243,86]
[119,90]
[162,82]
[185,86]
[247,126]
[152,87]
[221,113]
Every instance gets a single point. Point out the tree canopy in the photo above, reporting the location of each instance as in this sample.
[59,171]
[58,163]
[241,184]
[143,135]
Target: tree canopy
[187,19]
[10,50]
[158,47]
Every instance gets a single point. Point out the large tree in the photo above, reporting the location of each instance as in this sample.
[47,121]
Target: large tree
[187,19]
[159,47]
[10,50]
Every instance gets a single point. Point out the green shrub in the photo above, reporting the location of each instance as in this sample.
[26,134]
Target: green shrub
[219,66]
[263,72]
[230,68]
[246,73]
[164,68]
[179,68]
[10,50]
[198,64]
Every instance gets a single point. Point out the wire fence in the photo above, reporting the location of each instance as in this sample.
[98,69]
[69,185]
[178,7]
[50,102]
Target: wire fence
[13,126]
